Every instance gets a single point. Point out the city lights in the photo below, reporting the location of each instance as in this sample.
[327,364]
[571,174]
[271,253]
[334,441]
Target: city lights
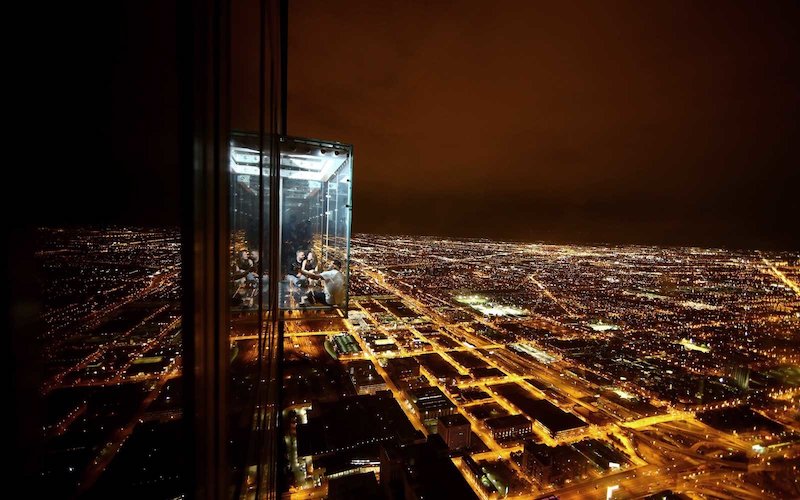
[542,386]
[629,365]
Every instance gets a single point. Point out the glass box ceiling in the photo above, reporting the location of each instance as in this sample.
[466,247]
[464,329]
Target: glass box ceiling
[301,159]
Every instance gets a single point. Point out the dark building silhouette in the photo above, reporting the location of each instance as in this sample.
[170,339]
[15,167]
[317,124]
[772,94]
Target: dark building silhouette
[547,464]
[364,377]
[364,485]
[353,422]
[537,462]
[421,471]
[431,402]
[455,431]
[402,368]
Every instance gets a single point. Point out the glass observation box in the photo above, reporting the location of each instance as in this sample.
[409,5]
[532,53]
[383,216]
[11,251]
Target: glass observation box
[315,206]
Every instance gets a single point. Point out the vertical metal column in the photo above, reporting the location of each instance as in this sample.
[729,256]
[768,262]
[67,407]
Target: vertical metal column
[205,135]
[204,147]
[272,123]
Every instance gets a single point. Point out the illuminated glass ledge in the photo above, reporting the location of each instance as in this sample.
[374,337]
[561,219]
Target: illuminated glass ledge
[315,209]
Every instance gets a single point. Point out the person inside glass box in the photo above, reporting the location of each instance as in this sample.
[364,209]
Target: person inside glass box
[311,264]
[295,277]
[333,292]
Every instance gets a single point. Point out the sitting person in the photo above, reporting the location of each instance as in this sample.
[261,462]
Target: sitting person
[295,277]
[334,293]
[311,264]
[242,265]
[252,275]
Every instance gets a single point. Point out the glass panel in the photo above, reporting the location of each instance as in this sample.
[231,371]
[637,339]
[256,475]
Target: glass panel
[316,190]
[249,201]
[249,305]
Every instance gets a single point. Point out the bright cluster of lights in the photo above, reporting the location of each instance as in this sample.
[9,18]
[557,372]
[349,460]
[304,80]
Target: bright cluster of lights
[487,308]
[691,346]
[600,326]
[310,167]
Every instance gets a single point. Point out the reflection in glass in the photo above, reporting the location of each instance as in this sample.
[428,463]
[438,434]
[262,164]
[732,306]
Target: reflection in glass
[312,212]
[249,200]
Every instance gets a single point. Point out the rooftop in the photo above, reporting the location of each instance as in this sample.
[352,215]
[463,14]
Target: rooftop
[507,421]
[430,398]
[453,420]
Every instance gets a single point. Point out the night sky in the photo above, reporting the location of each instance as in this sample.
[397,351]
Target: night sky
[103,111]
[649,122]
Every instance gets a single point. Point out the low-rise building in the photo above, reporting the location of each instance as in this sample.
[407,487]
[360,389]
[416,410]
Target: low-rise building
[455,431]
[509,427]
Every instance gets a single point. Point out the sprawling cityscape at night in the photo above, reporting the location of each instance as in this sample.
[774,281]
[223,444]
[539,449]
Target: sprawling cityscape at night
[112,361]
[406,250]
[575,371]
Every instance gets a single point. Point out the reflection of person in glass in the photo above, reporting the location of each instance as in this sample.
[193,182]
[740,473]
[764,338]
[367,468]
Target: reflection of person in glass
[245,278]
[252,275]
[242,265]
[334,293]
[295,277]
